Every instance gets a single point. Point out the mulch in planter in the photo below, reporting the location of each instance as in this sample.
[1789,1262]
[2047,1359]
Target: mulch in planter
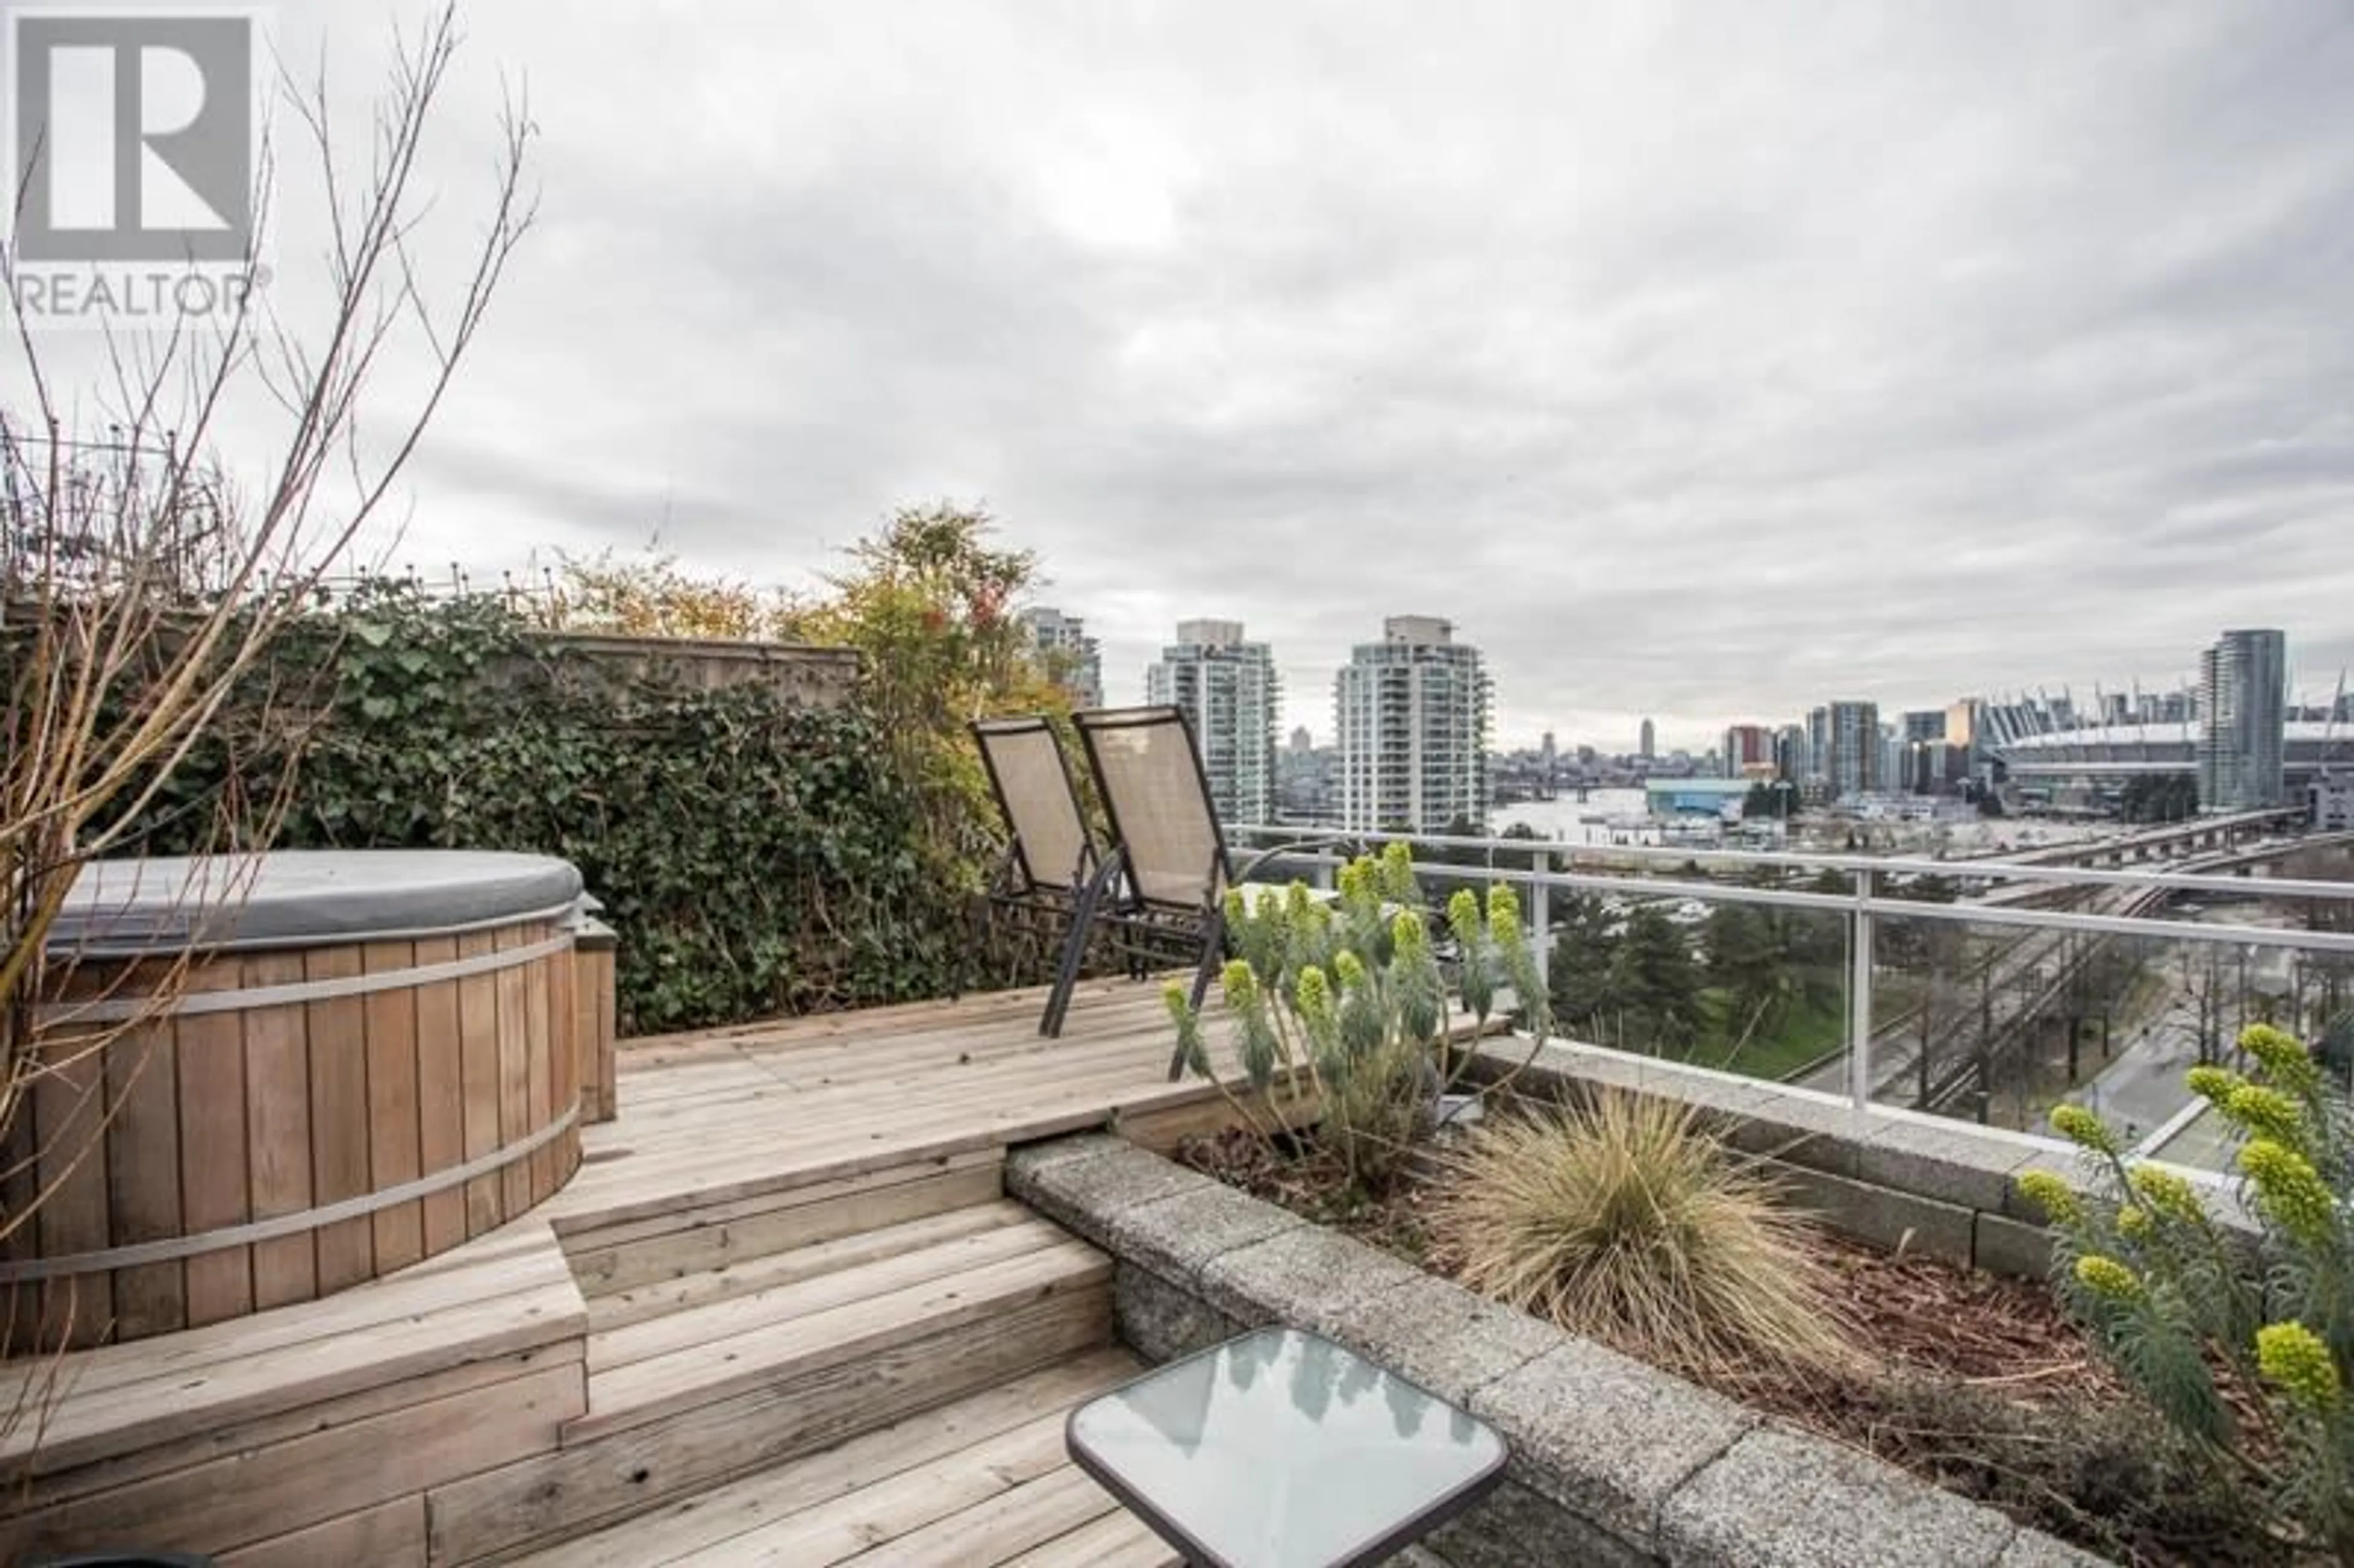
[1977,1381]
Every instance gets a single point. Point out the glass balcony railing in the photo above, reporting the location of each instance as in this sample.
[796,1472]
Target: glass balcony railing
[1984,990]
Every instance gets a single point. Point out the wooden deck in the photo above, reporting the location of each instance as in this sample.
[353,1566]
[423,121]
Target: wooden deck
[716,1114]
[782,1313]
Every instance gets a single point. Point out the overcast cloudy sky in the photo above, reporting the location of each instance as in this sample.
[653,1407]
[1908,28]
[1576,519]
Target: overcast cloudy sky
[1706,362]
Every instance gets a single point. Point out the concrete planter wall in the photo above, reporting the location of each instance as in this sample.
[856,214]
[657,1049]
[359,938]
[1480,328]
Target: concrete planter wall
[1893,1178]
[1613,1462]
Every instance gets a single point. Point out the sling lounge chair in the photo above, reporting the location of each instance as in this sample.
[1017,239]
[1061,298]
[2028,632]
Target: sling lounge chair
[1162,885]
[1052,861]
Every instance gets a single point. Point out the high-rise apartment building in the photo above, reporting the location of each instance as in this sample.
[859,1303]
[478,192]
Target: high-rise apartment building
[1793,761]
[1646,741]
[1411,711]
[1850,758]
[1227,686]
[2243,691]
[1073,657]
[1748,752]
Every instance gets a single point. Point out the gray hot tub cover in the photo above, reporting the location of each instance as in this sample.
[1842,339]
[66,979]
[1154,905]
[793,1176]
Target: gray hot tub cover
[304,898]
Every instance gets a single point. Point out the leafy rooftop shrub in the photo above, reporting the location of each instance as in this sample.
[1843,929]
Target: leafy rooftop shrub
[757,857]
[2169,1299]
[1627,1223]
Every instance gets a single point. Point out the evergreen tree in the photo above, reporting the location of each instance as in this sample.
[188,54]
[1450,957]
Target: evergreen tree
[1744,958]
[1579,972]
[1656,983]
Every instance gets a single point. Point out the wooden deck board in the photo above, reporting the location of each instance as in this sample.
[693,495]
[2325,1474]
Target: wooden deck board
[864,1090]
[1116,1539]
[833,1504]
[915,1254]
[748,1350]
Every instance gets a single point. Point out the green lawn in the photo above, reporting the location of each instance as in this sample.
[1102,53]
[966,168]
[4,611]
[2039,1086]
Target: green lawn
[1811,1029]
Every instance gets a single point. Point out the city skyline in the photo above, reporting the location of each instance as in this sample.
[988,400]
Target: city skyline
[1697,740]
[1699,364]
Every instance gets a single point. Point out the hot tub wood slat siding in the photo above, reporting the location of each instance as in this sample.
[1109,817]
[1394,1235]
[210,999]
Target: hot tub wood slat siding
[277,1116]
[563,1079]
[336,1032]
[393,1106]
[142,1155]
[18,1183]
[441,1095]
[213,1120]
[69,1104]
[515,1047]
[205,1138]
[478,1045]
[539,1065]
[213,1190]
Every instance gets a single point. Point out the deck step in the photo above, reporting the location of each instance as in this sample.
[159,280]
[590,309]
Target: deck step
[940,1276]
[703,1379]
[618,1251]
[983,1480]
[771,1271]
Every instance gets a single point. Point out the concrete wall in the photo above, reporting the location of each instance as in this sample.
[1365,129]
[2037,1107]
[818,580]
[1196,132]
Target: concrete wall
[1613,1462]
[1893,1178]
[808,675]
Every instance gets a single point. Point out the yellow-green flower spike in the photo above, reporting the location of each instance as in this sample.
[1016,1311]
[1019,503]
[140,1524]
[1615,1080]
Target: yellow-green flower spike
[1314,995]
[1296,903]
[2284,1059]
[2134,1223]
[2166,1194]
[1173,998]
[2212,1085]
[1350,967]
[1407,931]
[1463,913]
[2052,1195]
[2265,1113]
[1236,909]
[1240,985]
[2294,1360]
[1503,916]
[2082,1129]
[2107,1277]
[2289,1190]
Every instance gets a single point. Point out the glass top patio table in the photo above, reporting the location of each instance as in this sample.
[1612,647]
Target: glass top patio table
[1280,1449]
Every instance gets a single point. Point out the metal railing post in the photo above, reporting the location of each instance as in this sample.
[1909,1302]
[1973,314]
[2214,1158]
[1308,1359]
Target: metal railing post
[1859,997]
[1541,918]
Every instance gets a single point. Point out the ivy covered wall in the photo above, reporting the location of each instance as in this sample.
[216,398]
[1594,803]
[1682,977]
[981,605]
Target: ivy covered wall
[757,857]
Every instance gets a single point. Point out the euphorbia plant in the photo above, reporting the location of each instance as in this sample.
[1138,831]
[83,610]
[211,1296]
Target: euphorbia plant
[2168,1296]
[1347,1002]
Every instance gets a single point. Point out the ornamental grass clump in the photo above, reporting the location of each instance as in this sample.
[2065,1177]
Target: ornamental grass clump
[1343,1007]
[2168,1300]
[1627,1223]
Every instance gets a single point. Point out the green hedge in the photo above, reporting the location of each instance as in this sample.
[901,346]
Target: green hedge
[756,858]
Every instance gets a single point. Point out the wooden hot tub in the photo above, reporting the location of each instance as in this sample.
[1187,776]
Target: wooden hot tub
[334,1065]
